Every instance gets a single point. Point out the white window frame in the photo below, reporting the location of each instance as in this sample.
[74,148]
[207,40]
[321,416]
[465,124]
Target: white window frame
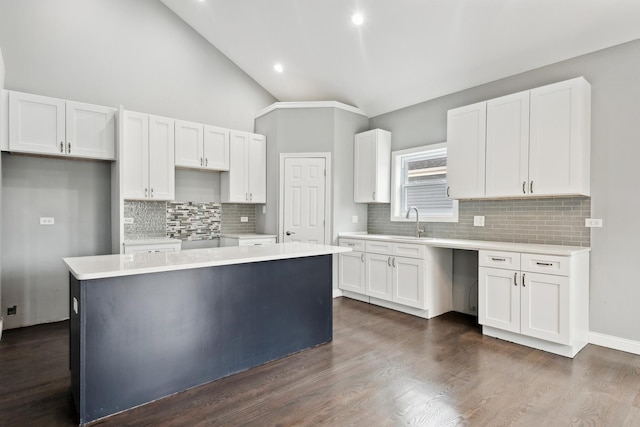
[396,187]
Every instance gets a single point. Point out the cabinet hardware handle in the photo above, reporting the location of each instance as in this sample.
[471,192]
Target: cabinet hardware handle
[362,257]
[69,148]
[448,192]
[523,285]
[351,244]
[146,192]
[544,264]
[498,259]
[515,279]
[206,161]
[61,147]
[393,262]
[531,187]
[389,261]
[250,197]
[152,192]
[201,161]
[524,187]
[374,195]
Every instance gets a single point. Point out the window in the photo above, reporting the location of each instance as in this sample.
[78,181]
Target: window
[419,178]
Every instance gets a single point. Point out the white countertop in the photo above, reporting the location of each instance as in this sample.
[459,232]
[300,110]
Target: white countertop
[474,245]
[104,266]
[154,241]
[248,236]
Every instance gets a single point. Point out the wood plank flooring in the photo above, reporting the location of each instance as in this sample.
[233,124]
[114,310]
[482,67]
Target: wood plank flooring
[383,368]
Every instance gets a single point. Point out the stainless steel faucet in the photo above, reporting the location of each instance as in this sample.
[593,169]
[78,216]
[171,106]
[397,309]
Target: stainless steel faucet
[418,229]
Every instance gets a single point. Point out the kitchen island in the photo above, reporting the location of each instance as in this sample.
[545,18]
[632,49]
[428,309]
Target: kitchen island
[147,325]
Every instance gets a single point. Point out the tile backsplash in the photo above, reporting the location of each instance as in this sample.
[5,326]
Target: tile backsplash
[193,220]
[149,219]
[188,221]
[554,221]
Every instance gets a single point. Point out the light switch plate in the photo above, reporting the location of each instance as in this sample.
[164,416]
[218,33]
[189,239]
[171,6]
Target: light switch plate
[47,220]
[593,222]
[354,219]
[478,221]
[128,220]
[244,219]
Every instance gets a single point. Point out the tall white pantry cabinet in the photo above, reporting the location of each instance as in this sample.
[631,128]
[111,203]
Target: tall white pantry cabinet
[530,144]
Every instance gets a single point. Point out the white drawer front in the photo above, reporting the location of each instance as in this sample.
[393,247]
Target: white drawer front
[408,250]
[257,241]
[375,247]
[357,245]
[499,259]
[546,264]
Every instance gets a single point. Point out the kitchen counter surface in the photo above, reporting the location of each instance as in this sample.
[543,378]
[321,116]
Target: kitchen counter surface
[474,245]
[248,235]
[153,241]
[104,266]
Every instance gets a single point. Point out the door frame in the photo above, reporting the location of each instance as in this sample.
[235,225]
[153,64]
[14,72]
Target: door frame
[327,193]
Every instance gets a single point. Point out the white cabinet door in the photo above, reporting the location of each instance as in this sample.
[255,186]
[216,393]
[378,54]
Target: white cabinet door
[135,155]
[379,276]
[90,131]
[559,147]
[234,183]
[372,163]
[499,298]
[189,144]
[351,272]
[545,307]
[257,168]
[507,146]
[161,158]
[216,148]
[36,124]
[466,138]
[408,282]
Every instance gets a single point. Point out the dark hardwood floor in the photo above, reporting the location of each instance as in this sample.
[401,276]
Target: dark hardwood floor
[383,368]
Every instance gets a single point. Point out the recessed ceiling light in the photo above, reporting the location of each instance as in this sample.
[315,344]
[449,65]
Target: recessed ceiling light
[278,67]
[357,18]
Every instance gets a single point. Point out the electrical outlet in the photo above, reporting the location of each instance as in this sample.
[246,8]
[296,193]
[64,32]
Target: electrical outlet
[12,311]
[478,221]
[354,219]
[128,220]
[46,220]
[244,219]
[264,209]
[592,222]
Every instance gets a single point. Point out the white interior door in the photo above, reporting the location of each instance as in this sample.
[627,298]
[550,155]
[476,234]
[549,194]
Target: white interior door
[304,199]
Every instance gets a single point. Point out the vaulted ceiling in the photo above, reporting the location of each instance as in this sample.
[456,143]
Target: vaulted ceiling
[405,51]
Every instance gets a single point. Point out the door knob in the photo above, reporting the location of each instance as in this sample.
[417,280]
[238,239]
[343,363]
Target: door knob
[289,233]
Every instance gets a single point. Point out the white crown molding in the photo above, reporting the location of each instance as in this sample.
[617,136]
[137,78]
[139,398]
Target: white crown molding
[310,104]
[616,343]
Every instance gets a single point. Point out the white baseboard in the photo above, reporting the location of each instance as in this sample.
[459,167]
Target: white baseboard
[616,343]
[337,292]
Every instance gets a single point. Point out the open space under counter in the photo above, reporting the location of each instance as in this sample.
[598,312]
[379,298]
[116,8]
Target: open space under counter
[147,325]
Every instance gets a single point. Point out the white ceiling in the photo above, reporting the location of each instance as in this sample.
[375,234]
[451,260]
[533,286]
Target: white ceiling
[407,51]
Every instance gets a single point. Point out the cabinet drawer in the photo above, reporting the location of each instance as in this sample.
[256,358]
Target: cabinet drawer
[408,250]
[357,245]
[546,264]
[499,259]
[375,247]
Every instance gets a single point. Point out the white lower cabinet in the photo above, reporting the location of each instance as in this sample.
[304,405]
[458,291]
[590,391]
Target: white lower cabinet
[536,300]
[407,277]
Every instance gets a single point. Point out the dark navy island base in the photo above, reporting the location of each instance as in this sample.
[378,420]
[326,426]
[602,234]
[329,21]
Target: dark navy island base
[138,338]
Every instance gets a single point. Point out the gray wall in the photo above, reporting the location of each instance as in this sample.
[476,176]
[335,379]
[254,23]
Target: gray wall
[108,52]
[615,126]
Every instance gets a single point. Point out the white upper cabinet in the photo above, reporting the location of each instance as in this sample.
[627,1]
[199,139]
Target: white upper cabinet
[466,138]
[189,139]
[245,182]
[147,157]
[529,144]
[201,146]
[507,149]
[51,126]
[372,167]
[560,139]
